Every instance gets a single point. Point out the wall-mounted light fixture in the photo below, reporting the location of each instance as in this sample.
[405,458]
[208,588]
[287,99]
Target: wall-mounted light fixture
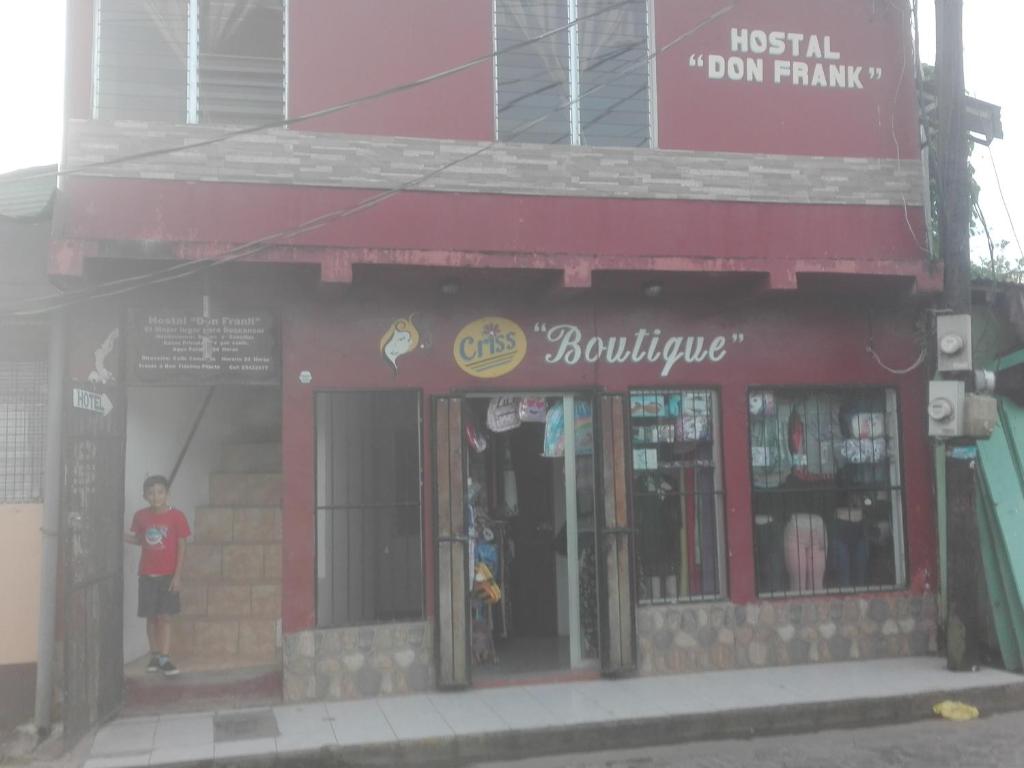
[653,290]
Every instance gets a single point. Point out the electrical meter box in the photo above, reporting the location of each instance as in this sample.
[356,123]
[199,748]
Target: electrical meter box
[953,342]
[946,409]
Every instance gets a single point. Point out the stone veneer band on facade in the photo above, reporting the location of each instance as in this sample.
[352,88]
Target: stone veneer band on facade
[383,162]
[386,659]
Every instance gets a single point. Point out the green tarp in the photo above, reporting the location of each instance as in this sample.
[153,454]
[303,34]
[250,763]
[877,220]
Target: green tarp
[1001,525]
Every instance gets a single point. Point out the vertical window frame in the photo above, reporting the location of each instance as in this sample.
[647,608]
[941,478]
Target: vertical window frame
[652,78]
[575,97]
[192,65]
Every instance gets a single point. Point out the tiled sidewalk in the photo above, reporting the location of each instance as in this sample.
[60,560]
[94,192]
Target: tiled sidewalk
[530,711]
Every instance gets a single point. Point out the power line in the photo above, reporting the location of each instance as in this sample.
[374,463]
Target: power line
[253,247]
[288,121]
[180,271]
[252,129]
[999,186]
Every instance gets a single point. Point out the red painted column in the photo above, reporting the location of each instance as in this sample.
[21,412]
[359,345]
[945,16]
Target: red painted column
[298,465]
[739,537]
[921,526]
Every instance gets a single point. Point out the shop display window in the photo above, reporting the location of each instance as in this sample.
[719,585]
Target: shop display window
[827,493]
[677,494]
[368,507]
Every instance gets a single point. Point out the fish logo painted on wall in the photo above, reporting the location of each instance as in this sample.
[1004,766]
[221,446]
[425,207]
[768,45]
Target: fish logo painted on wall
[490,347]
[400,339]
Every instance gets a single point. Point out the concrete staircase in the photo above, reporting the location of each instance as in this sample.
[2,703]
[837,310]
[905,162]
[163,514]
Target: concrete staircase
[231,591]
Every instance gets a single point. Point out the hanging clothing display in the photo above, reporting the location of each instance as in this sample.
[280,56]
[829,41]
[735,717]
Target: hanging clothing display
[770,457]
[848,553]
[503,414]
[554,430]
[864,450]
[533,409]
[509,489]
[813,433]
[806,548]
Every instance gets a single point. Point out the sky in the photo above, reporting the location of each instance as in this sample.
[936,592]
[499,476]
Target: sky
[31,79]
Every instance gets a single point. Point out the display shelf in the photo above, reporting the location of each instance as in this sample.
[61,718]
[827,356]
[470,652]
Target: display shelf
[677,465]
[656,443]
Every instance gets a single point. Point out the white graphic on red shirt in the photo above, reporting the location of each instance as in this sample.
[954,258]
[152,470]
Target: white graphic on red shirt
[156,536]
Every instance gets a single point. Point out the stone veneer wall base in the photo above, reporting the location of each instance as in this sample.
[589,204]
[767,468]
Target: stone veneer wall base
[701,637]
[358,662]
[387,659]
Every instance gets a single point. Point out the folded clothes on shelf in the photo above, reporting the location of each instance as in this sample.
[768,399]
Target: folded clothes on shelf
[647,404]
[692,428]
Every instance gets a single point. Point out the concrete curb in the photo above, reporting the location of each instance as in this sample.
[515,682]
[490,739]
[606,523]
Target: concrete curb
[646,732]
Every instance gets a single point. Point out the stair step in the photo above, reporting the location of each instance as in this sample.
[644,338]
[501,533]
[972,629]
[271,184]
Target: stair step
[236,489]
[246,638]
[232,563]
[251,457]
[202,684]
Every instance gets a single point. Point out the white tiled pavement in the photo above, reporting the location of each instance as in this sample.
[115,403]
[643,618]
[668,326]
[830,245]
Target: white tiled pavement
[170,739]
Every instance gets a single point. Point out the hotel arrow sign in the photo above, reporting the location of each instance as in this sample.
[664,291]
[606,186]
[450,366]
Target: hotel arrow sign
[91,401]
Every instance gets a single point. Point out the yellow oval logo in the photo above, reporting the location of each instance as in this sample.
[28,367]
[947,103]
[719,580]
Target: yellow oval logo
[490,347]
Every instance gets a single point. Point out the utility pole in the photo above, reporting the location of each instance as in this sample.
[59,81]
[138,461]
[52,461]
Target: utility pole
[963,555]
[953,140]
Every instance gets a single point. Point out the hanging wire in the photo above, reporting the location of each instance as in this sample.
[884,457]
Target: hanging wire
[179,271]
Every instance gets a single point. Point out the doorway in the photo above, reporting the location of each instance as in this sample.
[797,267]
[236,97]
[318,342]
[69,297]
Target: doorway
[530,506]
[220,449]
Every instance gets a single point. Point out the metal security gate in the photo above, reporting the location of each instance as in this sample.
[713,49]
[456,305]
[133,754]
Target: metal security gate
[92,525]
[616,539]
[451,547]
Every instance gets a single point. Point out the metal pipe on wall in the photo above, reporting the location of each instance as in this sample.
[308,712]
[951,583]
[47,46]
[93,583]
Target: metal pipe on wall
[51,525]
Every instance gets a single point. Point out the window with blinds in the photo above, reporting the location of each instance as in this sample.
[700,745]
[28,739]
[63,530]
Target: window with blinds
[573,72]
[190,60]
[241,61]
[142,60]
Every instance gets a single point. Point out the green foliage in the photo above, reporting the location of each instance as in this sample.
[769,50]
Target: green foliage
[998,267]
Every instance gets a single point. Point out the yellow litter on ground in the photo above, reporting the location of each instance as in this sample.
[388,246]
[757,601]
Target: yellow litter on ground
[955,710]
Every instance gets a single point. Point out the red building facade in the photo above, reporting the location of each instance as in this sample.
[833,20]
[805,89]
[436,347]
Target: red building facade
[696,227]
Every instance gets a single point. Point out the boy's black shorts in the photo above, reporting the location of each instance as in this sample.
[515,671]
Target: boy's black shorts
[156,598]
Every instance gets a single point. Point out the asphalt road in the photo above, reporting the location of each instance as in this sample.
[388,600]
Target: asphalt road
[988,742]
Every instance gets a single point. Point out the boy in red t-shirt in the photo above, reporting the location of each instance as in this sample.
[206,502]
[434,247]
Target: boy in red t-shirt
[161,531]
